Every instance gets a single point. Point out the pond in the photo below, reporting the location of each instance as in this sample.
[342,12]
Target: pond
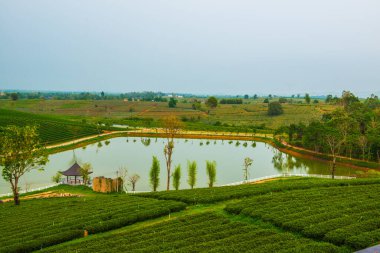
[136,153]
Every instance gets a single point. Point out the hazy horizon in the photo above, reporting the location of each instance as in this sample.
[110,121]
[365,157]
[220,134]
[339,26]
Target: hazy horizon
[199,47]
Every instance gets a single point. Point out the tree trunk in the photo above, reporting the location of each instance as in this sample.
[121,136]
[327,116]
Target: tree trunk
[16,197]
[168,174]
[333,166]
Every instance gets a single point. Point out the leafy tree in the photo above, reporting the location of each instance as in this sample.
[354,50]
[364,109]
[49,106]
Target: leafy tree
[155,174]
[329,99]
[177,177]
[211,172]
[196,105]
[20,152]
[335,134]
[266,101]
[348,98]
[14,96]
[171,126]
[246,96]
[85,172]
[315,101]
[307,98]
[57,177]
[247,163]
[172,102]
[212,102]
[255,96]
[192,173]
[275,108]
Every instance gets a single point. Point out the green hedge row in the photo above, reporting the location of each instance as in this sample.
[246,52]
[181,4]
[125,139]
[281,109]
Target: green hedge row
[212,195]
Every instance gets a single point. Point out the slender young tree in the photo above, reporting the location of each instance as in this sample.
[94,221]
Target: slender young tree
[171,126]
[192,173]
[211,172]
[155,174]
[247,163]
[57,177]
[85,172]
[307,98]
[133,180]
[122,173]
[20,152]
[177,177]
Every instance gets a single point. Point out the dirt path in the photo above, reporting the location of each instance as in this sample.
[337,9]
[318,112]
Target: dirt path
[67,143]
[44,195]
[189,134]
[311,152]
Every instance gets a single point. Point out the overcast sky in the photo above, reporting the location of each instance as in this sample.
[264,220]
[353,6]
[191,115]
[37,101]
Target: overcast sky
[197,46]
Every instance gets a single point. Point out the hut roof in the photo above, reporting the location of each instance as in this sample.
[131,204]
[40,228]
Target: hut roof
[74,170]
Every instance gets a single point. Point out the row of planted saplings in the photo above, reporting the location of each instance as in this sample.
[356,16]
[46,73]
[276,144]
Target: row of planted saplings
[192,170]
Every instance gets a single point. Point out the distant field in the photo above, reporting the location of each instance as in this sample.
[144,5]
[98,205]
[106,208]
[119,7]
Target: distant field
[52,129]
[252,112]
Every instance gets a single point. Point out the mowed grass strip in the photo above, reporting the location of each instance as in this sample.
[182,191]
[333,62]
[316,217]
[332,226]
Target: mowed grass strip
[205,232]
[212,195]
[36,224]
[347,216]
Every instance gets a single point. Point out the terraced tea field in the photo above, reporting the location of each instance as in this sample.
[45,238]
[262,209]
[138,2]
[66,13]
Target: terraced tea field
[52,129]
[36,224]
[205,232]
[289,215]
[340,215]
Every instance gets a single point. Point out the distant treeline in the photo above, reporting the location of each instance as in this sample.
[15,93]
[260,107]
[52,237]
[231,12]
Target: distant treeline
[143,96]
[352,130]
[231,101]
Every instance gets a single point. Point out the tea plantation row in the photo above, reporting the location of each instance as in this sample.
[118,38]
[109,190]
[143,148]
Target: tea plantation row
[341,215]
[207,232]
[52,129]
[36,224]
[212,195]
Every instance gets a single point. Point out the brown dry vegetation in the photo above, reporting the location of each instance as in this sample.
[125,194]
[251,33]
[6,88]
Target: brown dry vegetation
[252,112]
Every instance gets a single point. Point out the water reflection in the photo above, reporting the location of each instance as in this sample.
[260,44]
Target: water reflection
[285,163]
[136,153]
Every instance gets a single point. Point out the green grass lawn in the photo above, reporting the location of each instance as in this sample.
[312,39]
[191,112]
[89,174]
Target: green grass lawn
[289,215]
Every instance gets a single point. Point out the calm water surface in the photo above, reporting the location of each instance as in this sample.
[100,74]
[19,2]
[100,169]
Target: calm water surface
[136,155]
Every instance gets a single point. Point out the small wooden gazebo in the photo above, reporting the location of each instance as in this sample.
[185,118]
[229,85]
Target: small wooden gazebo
[74,171]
